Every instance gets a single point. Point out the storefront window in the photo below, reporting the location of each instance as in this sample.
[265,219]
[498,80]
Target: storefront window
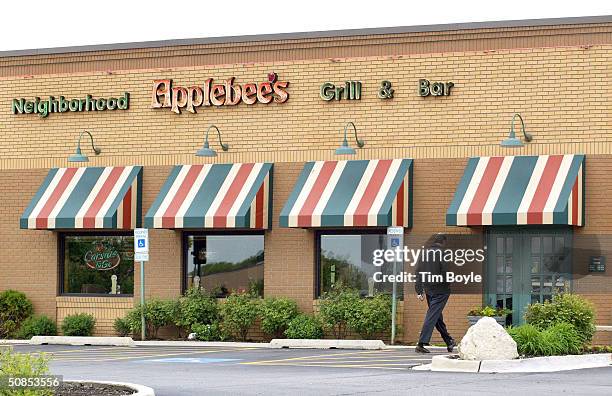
[346,260]
[225,264]
[98,264]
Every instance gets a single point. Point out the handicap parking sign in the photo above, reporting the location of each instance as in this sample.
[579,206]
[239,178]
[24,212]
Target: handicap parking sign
[141,243]
[395,242]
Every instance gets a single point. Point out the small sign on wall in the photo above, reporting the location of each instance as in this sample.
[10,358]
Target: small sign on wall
[597,264]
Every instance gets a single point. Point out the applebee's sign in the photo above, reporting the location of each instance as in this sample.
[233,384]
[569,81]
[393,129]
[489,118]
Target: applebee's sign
[227,93]
[102,258]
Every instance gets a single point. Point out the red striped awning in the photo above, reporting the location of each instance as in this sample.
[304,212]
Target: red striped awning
[362,193]
[213,196]
[87,198]
[545,189]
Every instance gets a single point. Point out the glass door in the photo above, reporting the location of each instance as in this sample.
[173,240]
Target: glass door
[526,266]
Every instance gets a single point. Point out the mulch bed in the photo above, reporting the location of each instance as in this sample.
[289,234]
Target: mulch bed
[91,389]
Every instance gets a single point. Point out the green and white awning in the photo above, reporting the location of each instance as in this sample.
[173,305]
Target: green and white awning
[87,198]
[363,193]
[545,189]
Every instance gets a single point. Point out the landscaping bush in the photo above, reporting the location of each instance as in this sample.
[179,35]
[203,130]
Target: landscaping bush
[598,349]
[15,307]
[239,312]
[304,326]
[336,308]
[158,313]
[78,325]
[209,332]
[23,365]
[122,327]
[196,307]
[564,308]
[559,339]
[489,311]
[37,326]
[371,316]
[276,313]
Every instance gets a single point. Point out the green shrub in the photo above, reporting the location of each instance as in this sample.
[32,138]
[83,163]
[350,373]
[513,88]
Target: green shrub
[489,311]
[564,308]
[14,309]
[559,339]
[304,326]
[122,327]
[371,316]
[23,365]
[527,338]
[209,332]
[78,325]
[336,308]
[196,307]
[37,326]
[276,313]
[598,349]
[158,313]
[239,312]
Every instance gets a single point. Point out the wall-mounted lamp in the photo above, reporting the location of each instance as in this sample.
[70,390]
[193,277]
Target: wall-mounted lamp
[206,151]
[345,149]
[78,156]
[512,140]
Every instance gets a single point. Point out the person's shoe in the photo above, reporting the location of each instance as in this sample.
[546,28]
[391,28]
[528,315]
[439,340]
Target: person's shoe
[451,345]
[421,349]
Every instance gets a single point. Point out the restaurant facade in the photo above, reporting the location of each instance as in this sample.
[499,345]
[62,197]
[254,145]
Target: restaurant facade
[274,164]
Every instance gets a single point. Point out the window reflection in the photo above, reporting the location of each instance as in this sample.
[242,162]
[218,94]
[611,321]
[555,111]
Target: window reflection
[346,259]
[226,264]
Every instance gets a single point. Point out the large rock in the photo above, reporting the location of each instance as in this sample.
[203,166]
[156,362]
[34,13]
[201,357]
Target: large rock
[487,340]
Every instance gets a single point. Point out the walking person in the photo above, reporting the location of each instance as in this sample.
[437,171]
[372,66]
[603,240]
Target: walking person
[435,291]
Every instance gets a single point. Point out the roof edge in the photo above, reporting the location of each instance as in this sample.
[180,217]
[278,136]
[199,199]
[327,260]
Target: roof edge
[313,35]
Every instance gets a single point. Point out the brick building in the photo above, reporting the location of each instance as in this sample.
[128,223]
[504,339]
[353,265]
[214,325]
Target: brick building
[286,219]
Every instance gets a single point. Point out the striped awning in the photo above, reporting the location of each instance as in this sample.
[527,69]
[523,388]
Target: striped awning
[351,194]
[545,189]
[213,196]
[87,198]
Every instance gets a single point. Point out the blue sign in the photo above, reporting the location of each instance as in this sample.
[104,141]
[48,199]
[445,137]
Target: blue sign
[395,242]
[141,243]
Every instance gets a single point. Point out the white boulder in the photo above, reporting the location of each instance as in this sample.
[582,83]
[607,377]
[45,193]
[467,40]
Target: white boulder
[487,340]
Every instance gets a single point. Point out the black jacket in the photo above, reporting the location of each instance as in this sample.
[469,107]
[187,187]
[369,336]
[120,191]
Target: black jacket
[435,265]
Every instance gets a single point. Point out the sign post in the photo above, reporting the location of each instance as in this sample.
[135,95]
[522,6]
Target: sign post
[141,254]
[395,238]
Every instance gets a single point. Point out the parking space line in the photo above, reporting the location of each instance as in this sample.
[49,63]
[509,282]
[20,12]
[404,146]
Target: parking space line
[310,357]
[132,356]
[382,367]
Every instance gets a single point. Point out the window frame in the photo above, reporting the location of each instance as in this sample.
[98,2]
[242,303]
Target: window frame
[336,231]
[185,234]
[61,261]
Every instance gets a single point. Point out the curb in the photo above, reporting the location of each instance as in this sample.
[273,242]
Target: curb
[14,342]
[411,347]
[543,364]
[140,390]
[204,344]
[65,340]
[328,344]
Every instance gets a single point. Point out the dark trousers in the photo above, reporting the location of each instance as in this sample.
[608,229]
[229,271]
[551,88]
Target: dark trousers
[433,318]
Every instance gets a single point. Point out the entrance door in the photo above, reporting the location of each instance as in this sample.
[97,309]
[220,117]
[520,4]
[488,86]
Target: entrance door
[525,266]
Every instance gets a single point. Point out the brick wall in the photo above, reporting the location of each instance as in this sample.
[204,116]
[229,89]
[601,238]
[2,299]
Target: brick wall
[561,92]
[104,309]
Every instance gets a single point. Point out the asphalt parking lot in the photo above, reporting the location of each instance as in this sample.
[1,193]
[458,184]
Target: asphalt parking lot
[258,371]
